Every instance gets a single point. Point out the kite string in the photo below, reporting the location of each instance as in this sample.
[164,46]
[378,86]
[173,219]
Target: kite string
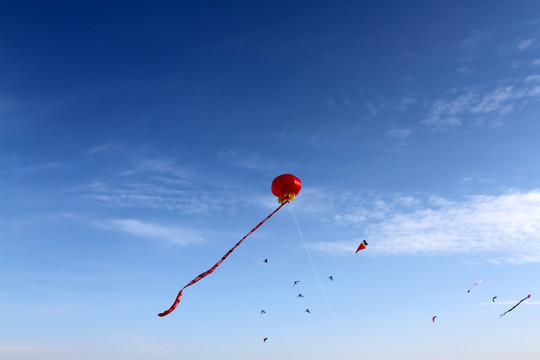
[315,270]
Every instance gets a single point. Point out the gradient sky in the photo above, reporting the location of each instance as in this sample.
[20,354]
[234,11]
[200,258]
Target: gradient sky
[139,140]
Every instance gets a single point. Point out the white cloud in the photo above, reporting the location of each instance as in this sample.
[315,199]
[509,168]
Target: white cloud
[464,70]
[474,40]
[371,108]
[16,165]
[472,106]
[476,178]
[497,100]
[8,160]
[149,230]
[141,160]
[532,78]
[525,44]
[159,165]
[150,196]
[103,148]
[446,112]
[399,133]
[247,161]
[502,228]
[334,248]
[404,103]
[536,62]
[398,139]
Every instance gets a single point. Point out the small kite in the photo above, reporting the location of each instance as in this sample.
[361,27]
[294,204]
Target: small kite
[264,340]
[513,307]
[265,261]
[493,300]
[285,187]
[433,318]
[296,282]
[331,278]
[307,310]
[475,284]
[263,312]
[362,246]
[300,295]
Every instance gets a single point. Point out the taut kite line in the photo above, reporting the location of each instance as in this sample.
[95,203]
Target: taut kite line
[285,187]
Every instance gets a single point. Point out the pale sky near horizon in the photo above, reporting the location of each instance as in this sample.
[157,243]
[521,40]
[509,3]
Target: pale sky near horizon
[139,140]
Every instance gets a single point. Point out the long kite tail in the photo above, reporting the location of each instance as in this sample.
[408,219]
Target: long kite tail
[513,307]
[211,270]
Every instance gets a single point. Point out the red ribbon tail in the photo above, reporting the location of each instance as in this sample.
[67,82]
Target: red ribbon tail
[173,306]
[211,270]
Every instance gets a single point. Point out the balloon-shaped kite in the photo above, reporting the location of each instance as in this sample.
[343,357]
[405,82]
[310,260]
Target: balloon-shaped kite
[285,187]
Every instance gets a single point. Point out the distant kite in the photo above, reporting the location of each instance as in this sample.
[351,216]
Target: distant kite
[362,246]
[331,278]
[265,261]
[264,340]
[263,312]
[475,284]
[513,307]
[433,318]
[296,282]
[307,310]
[300,295]
[285,187]
[493,300]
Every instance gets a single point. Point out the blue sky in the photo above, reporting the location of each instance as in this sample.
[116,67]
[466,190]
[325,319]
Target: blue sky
[139,140]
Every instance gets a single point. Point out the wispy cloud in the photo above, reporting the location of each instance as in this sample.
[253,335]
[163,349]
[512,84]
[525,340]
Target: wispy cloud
[402,133]
[15,164]
[470,105]
[149,230]
[137,160]
[447,112]
[464,70]
[159,165]
[476,178]
[532,78]
[472,43]
[8,160]
[249,161]
[525,44]
[137,177]
[475,38]
[380,104]
[398,138]
[186,200]
[104,148]
[499,228]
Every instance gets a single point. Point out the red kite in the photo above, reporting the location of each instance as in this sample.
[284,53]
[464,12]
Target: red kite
[285,187]
[362,246]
